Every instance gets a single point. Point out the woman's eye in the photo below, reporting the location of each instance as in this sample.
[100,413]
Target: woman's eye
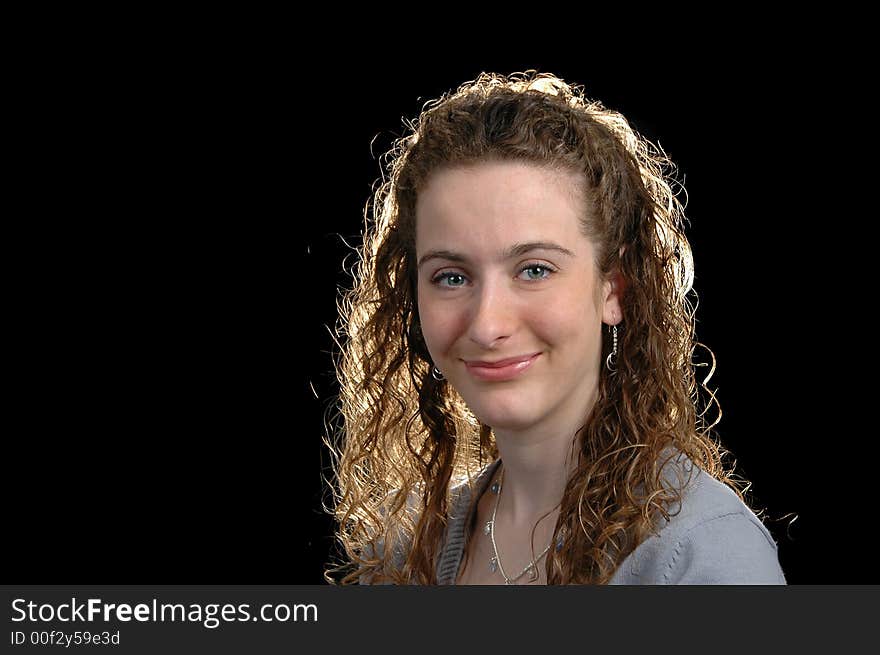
[535,273]
[537,267]
[447,276]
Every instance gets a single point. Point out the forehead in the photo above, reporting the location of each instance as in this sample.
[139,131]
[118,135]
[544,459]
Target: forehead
[497,202]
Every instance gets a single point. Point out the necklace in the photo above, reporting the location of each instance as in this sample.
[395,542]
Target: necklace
[495,562]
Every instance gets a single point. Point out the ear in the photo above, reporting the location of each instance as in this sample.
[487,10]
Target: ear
[614,290]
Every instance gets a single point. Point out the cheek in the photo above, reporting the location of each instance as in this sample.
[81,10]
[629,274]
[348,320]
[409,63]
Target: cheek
[573,341]
[436,324]
[565,324]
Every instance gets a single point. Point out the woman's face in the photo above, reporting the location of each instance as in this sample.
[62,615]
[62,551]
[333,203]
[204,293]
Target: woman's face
[481,299]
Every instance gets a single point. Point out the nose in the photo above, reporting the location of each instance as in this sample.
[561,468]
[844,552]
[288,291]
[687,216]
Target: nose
[493,316]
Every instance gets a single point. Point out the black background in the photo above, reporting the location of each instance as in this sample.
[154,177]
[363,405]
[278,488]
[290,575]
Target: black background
[183,237]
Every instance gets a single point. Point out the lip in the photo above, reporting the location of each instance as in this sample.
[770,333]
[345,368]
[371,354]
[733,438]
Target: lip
[503,369]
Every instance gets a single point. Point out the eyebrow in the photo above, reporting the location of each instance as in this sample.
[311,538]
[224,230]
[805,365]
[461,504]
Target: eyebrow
[516,250]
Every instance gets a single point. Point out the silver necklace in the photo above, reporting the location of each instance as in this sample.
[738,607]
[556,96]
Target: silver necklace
[495,563]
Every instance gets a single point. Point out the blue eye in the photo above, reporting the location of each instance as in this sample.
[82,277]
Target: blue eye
[549,270]
[446,276]
[541,267]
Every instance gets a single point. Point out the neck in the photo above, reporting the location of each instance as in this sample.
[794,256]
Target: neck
[538,461]
[535,475]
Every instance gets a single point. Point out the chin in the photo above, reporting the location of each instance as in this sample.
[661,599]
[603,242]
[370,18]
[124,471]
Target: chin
[508,414]
[509,424]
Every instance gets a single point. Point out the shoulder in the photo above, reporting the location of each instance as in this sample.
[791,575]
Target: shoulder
[711,537]
[461,493]
[399,542]
[463,490]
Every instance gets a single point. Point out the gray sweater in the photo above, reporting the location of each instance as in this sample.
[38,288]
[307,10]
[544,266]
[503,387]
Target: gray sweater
[715,539]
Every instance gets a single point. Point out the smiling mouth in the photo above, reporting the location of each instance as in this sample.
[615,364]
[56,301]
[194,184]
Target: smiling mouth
[502,370]
[501,362]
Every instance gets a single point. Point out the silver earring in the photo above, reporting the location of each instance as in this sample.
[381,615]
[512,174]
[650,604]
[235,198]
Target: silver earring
[437,373]
[613,353]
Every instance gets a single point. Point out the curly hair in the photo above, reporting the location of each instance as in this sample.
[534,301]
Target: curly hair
[409,438]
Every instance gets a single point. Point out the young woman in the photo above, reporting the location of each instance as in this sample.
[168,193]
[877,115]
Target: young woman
[517,382]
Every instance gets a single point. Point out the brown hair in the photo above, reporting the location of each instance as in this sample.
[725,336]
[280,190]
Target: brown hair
[408,438]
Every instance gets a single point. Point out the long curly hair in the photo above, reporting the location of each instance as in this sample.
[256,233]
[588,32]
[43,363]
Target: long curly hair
[409,438]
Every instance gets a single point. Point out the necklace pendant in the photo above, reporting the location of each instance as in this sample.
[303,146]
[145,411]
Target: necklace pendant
[496,488]
[533,573]
[493,564]
[488,528]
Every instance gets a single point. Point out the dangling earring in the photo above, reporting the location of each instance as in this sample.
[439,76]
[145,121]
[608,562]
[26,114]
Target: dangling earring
[613,353]
[437,373]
